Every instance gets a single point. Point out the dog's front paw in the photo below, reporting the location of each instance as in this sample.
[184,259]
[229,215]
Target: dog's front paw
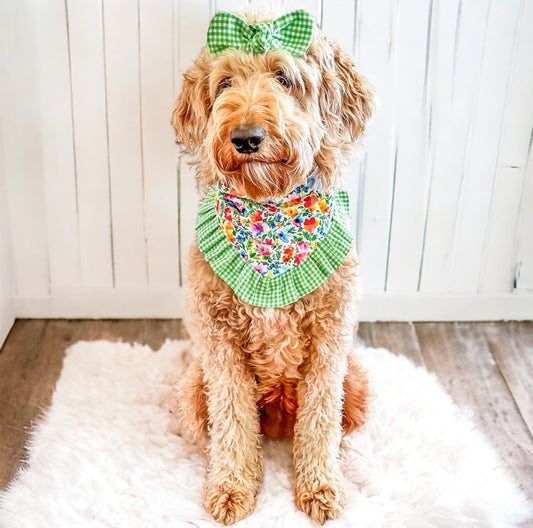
[321,503]
[229,503]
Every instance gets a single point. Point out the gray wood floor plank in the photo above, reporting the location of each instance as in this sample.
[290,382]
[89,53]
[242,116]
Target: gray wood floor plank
[151,332]
[399,338]
[511,344]
[459,355]
[365,334]
[21,350]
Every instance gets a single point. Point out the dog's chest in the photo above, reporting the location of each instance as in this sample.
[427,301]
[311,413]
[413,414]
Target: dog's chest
[277,346]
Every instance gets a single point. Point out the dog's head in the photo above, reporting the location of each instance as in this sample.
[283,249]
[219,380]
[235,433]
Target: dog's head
[262,122]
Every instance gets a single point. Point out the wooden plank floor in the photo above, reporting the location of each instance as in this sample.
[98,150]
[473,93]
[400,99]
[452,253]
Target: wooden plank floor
[486,366]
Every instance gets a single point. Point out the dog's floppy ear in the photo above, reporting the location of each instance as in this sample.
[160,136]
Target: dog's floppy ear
[191,112]
[357,95]
[346,99]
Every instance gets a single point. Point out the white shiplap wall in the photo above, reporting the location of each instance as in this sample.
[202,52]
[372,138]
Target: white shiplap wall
[102,212]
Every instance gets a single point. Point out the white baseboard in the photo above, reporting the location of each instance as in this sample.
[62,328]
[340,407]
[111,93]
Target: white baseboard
[104,304]
[447,307]
[169,304]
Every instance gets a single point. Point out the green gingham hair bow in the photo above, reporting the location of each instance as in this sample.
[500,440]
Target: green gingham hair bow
[292,32]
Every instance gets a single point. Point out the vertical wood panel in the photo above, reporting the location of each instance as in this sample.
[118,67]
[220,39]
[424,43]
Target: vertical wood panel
[455,68]
[160,155]
[441,64]
[478,181]
[58,169]
[229,6]
[411,128]
[22,151]
[524,257]
[515,140]
[121,46]
[498,271]
[86,42]
[313,6]
[377,50]
[340,29]
[342,32]
[192,30]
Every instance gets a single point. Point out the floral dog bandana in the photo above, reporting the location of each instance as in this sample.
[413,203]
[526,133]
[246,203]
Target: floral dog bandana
[292,32]
[274,252]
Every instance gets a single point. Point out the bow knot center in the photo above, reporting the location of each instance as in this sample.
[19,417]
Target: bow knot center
[261,39]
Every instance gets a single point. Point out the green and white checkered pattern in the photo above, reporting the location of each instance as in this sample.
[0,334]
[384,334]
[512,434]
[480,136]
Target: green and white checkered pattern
[292,32]
[281,290]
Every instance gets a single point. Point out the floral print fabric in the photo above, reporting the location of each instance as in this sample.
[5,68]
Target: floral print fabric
[274,236]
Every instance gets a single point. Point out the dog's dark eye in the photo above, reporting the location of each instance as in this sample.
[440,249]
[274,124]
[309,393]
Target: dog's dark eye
[223,85]
[283,79]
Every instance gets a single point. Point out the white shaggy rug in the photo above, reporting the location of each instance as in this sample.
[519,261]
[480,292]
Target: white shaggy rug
[104,455]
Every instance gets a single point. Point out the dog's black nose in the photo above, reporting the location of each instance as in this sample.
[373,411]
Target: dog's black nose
[247,138]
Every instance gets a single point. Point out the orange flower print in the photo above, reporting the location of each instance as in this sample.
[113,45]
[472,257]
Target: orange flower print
[292,212]
[235,192]
[228,229]
[323,205]
[310,224]
[292,203]
[287,254]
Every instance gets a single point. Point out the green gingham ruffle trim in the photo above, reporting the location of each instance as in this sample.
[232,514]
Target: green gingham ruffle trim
[281,290]
[292,32]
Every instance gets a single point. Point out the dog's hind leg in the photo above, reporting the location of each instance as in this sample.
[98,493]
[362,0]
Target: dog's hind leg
[356,395]
[190,404]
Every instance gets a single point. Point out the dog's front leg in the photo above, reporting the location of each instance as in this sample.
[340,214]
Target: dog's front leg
[235,469]
[319,483]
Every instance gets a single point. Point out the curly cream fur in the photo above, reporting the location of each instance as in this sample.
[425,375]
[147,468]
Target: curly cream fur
[283,372]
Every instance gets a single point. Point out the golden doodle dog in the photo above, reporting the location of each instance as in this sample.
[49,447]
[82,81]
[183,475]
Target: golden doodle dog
[271,110]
